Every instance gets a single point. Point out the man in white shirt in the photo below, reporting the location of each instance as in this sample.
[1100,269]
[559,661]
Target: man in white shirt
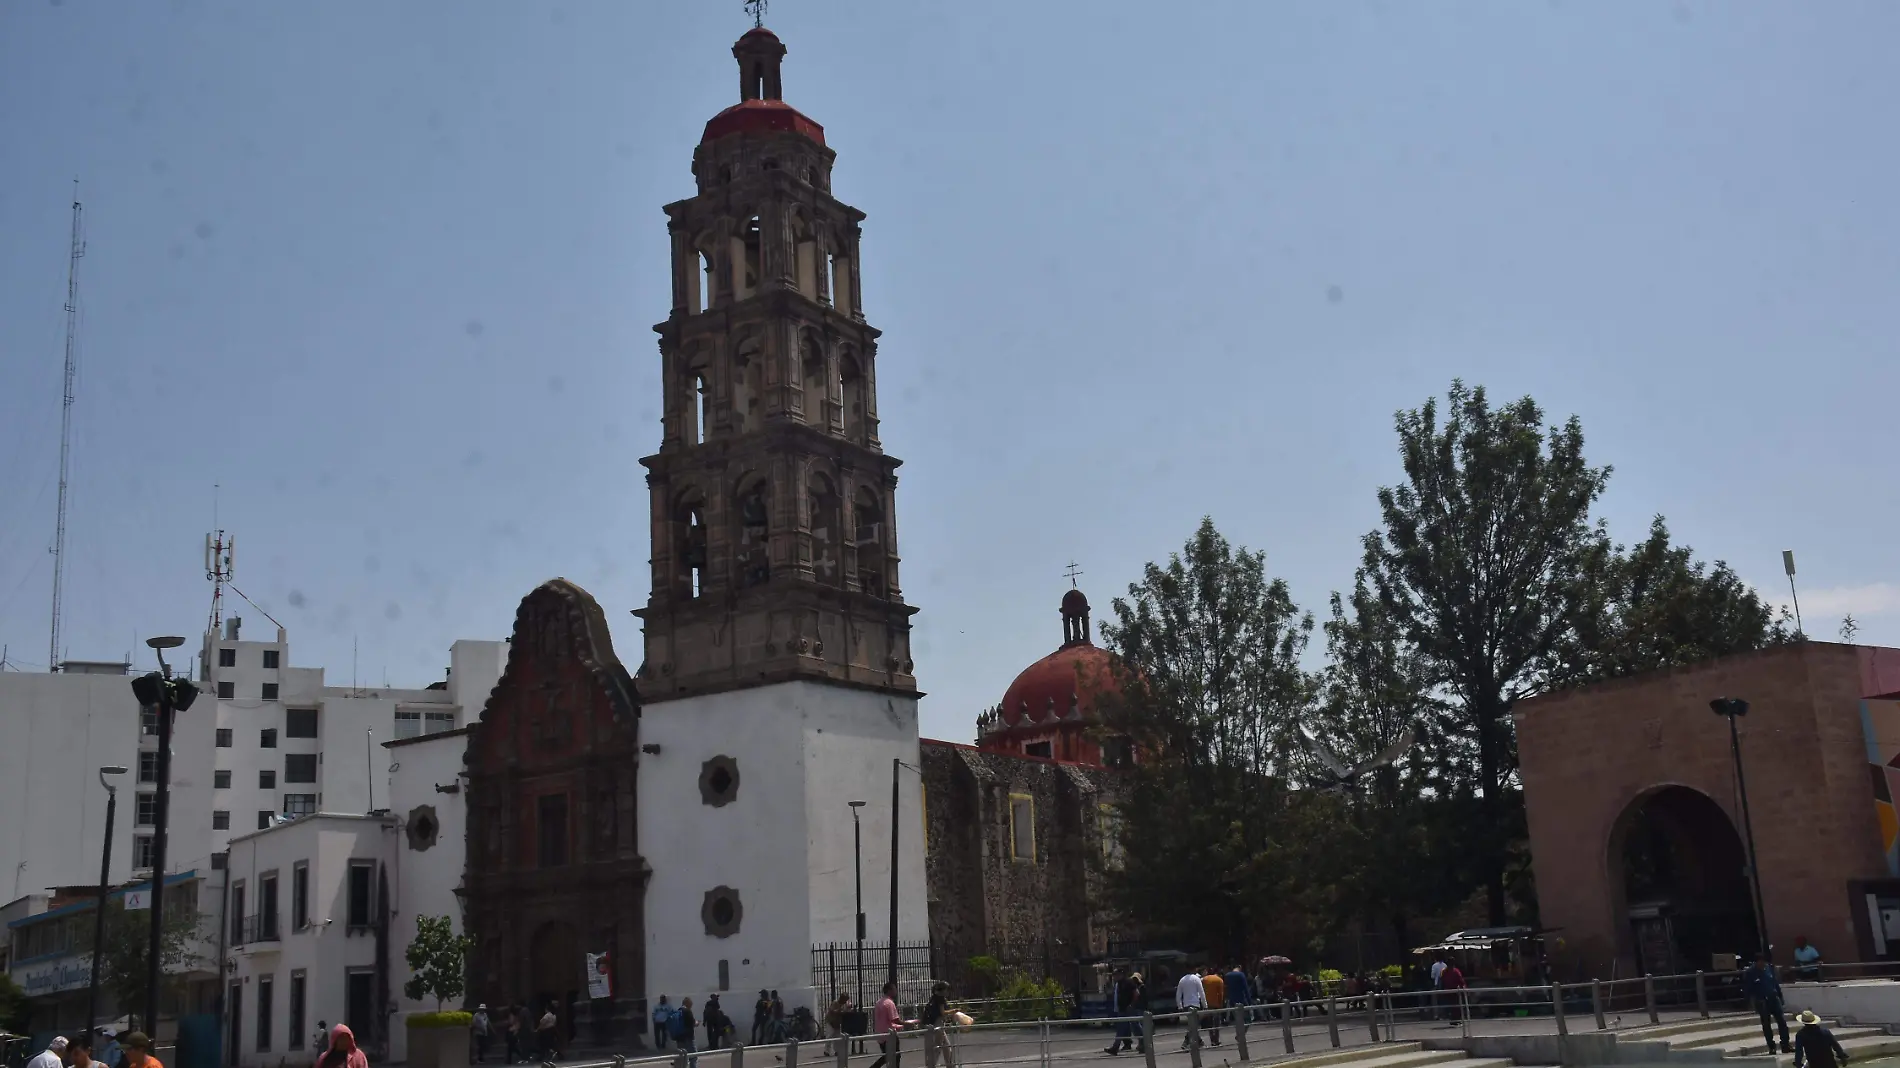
[1189,994]
[1438,982]
[52,1057]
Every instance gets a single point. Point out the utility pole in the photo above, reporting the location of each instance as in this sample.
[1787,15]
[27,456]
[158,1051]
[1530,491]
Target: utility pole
[66,425]
[896,765]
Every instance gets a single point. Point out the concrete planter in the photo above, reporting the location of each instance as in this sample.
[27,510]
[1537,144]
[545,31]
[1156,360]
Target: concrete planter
[438,1047]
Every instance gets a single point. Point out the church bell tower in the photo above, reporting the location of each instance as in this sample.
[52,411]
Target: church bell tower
[777,691]
[774,536]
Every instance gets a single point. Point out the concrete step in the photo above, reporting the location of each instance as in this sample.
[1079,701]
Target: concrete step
[1686,1026]
[1384,1055]
[1754,1045]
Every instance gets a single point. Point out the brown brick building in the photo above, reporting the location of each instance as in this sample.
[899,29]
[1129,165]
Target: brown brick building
[1635,823]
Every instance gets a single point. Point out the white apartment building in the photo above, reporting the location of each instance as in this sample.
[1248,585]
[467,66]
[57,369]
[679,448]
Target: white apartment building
[263,741]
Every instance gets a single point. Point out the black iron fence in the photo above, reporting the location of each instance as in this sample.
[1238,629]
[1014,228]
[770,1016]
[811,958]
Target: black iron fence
[861,970]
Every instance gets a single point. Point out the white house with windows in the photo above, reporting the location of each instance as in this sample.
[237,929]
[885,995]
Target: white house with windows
[321,910]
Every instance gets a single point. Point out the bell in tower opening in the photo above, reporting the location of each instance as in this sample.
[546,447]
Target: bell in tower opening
[777,635]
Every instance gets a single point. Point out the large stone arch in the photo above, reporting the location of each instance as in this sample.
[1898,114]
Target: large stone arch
[1678,880]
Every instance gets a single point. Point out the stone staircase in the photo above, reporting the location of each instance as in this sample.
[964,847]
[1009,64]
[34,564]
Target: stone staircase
[1394,1055]
[1737,1038]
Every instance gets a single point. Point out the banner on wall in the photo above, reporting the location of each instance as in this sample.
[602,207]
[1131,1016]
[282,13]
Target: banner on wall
[600,978]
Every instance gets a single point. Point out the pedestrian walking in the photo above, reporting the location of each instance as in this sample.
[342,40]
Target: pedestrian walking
[548,1031]
[483,1031]
[886,1023]
[53,1056]
[1760,985]
[662,1023]
[1815,1046]
[342,1053]
[716,1023]
[933,1020]
[1120,1001]
[1239,990]
[682,1027]
[79,1052]
[1214,989]
[138,1051]
[510,1035]
[1189,993]
[761,1016]
[1452,981]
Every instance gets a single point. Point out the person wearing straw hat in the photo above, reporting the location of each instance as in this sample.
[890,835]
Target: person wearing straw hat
[1814,1045]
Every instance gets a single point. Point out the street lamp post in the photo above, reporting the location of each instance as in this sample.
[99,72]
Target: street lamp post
[166,695]
[1732,709]
[857,862]
[105,887]
[891,958]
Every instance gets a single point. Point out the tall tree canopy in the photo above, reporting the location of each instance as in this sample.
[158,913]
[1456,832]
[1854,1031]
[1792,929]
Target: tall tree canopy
[1484,564]
[1211,690]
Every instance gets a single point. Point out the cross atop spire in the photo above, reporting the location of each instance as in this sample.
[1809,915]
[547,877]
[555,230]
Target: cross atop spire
[756,8]
[1070,573]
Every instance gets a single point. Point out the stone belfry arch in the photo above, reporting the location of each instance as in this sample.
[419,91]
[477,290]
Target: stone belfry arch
[778,682]
[774,546]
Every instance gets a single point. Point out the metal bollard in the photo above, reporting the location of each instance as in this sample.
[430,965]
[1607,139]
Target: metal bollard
[1240,1033]
[1286,1025]
[1372,1015]
[1649,998]
[738,1055]
[1194,1037]
[1332,1019]
[1701,996]
[1042,1042]
[679,1059]
[1557,1009]
[791,1054]
[1148,1037]
[897,1049]
[841,1048]
[1596,1002]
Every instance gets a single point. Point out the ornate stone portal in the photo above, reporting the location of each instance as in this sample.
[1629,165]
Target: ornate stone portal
[554,870]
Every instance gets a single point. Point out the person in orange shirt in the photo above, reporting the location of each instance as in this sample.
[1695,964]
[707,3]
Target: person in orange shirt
[1216,990]
[138,1050]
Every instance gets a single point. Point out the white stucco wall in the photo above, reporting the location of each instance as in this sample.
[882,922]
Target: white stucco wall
[803,750]
[60,730]
[424,881]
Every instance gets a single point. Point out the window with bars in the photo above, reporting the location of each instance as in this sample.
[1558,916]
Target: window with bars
[224,737]
[145,814]
[227,658]
[300,804]
[414,723]
[267,738]
[148,767]
[227,690]
[270,691]
[270,659]
[267,779]
[142,848]
[221,780]
[220,820]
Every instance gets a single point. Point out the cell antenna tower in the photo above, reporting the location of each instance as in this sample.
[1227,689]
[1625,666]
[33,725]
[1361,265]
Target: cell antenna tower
[66,426]
[220,552]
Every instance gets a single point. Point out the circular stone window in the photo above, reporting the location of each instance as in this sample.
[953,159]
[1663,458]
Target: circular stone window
[721,912]
[423,827]
[719,781]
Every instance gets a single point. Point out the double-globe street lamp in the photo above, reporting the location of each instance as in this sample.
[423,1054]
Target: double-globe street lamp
[165,695]
[105,887]
[1732,709]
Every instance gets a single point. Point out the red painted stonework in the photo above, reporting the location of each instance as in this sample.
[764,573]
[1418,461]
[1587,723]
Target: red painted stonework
[1589,755]
[554,869]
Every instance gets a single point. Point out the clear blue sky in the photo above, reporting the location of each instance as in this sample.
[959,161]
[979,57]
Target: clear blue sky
[387,273]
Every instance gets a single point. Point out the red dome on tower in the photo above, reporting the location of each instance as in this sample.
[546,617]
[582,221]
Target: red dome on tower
[1051,707]
[761,108]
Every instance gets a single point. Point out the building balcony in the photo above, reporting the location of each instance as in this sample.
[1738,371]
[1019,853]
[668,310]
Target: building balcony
[257,933]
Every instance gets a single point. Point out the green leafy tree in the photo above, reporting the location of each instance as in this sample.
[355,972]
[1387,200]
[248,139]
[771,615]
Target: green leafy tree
[1485,562]
[1657,606]
[1207,663]
[438,961]
[122,965]
[14,1008]
[1391,851]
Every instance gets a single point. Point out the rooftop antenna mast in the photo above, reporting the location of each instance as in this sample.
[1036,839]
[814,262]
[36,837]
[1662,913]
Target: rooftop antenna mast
[66,426]
[1787,564]
[220,557]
